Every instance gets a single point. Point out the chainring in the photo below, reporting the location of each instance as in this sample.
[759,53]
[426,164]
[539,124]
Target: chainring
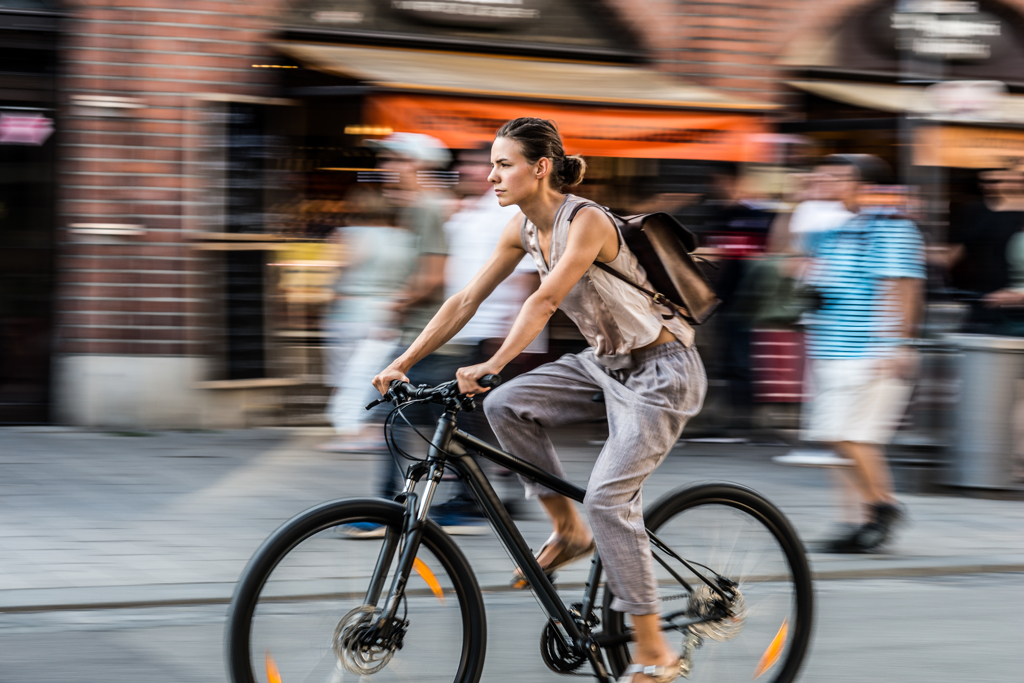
[557,653]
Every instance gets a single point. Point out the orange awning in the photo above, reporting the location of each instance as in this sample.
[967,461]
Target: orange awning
[967,146]
[596,130]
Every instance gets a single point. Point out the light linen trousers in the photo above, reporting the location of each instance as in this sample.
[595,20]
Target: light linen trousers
[647,405]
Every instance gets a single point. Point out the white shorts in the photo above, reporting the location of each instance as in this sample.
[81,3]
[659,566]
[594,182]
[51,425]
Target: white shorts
[852,402]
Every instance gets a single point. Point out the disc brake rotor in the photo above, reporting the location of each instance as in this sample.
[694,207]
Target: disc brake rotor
[355,647]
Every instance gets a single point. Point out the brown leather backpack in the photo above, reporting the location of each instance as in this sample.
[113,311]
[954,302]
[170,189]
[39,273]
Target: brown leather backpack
[662,246]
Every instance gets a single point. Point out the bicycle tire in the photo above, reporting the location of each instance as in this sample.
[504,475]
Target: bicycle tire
[705,502]
[315,523]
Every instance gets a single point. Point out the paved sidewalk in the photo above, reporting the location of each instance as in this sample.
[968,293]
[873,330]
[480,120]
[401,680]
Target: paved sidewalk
[101,519]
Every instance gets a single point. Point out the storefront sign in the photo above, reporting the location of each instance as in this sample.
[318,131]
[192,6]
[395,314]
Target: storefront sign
[21,129]
[945,29]
[968,146]
[477,13]
[598,131]
[578,27]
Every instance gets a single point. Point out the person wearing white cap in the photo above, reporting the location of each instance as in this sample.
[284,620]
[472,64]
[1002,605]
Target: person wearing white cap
[407,158]
[427,151]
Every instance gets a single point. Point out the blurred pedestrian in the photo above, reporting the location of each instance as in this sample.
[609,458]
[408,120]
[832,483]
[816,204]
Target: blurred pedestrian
[408,160]
[817,211]
[772,295]
[738,233]
[868,274]
[642,360]
[473,233]
[984,239]
[782,300]
[362,326]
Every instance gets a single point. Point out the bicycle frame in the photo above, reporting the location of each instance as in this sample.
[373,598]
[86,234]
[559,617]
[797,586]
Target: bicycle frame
[450,440]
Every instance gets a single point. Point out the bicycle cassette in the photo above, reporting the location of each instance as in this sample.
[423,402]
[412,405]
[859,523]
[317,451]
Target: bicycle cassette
[704,602]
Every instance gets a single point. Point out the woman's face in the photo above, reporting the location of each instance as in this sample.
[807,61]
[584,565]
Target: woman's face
[513,177]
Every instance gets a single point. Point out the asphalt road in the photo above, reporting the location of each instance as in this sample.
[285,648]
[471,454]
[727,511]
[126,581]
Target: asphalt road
[942,629]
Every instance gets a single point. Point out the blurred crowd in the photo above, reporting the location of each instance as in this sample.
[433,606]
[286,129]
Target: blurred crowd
[824,275]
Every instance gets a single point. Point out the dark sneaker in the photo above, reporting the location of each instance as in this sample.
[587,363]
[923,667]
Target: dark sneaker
[885,517]
[846,541]
[460,517]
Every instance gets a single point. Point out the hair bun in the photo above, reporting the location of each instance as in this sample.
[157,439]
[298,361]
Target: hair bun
[537,139]
[573,167]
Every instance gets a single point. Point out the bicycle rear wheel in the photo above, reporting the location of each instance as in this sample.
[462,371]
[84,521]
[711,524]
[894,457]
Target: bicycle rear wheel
[760,631]
[299,613]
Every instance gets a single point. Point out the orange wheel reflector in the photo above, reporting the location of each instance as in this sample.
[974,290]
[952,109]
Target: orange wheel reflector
[273,675]
[423,570]
[771,655]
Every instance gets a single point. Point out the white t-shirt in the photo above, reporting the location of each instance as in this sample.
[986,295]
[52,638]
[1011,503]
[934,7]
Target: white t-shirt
[472,233]
[813,217]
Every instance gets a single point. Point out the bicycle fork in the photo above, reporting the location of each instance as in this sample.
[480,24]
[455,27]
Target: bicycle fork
[413,522]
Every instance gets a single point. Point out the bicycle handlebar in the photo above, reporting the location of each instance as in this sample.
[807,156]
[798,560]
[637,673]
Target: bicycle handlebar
[489,381]
[400,391]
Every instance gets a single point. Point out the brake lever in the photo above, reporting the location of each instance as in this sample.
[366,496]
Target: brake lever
[388,396]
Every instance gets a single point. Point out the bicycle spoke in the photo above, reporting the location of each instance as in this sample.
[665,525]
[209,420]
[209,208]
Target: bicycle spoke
[309,622]
[748,628]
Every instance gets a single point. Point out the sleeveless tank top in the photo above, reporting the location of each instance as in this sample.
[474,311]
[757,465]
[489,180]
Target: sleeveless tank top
[613,317]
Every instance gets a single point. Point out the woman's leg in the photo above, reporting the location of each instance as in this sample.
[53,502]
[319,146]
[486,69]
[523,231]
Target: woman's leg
[651,645]
[521,410]
[645,417]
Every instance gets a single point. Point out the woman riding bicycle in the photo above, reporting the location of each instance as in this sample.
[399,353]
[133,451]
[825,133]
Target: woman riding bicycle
[641,358]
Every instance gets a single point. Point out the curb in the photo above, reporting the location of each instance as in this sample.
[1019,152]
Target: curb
[13,607]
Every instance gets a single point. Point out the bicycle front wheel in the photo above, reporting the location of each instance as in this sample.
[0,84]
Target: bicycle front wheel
[301,612]
[759,627]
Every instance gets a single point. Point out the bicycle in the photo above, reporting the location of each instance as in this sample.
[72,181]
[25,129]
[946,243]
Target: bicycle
[311,605]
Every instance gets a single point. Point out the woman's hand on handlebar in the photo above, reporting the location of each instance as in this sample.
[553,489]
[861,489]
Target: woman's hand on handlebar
[470,375]
[382,382]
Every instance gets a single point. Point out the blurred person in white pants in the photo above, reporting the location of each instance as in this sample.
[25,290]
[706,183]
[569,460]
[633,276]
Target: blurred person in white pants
[473,232]
[362,328]
[868,274]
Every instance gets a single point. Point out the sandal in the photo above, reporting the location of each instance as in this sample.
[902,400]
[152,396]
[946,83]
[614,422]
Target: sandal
[569,554]
[659,674]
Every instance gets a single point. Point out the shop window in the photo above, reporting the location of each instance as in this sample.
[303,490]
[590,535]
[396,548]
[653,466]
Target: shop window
[243,190]
[26,263]
[244,324]
[247,150]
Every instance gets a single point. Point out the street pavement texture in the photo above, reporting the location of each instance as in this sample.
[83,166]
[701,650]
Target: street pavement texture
[95,519]
[938,629]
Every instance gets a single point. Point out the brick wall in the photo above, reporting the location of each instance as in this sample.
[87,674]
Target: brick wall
[727,44]
[132,161]
[734,44]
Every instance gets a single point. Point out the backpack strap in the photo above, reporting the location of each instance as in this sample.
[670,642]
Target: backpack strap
[585,205]
[658,298]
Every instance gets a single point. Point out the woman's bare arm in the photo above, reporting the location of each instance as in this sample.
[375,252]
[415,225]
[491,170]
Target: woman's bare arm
[592,236]
[457,310]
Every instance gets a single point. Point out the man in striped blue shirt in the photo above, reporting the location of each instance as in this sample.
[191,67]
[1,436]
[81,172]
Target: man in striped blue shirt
[869,274]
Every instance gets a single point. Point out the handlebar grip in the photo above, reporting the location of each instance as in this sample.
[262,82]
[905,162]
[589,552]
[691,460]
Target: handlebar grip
[489,381]
[402,390]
